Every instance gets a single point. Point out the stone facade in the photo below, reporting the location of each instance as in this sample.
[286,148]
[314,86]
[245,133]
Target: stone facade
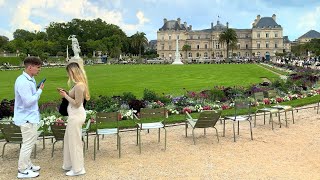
[264,39]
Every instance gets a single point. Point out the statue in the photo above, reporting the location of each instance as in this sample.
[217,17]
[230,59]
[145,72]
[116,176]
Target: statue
[76,50]
[75,45]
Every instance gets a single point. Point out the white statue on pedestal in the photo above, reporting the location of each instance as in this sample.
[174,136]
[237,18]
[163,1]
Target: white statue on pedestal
[75,45]
[177,59]
[76,50]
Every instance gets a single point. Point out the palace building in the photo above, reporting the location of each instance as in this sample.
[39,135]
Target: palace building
[263,40]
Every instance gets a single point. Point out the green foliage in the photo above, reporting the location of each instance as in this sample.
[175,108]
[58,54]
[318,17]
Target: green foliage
[15,61]
[128,96]
[149,95]
[228,36]
[216,94]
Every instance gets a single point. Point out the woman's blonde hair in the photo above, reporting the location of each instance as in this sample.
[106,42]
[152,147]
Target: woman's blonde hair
[76,75]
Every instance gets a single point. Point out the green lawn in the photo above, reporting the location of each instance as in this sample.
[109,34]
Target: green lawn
[168,79]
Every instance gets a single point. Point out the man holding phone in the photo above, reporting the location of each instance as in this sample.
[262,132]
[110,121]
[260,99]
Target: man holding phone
[26,114]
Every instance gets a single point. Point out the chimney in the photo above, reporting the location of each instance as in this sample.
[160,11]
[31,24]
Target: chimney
[211,25]
[227,25]
[179,20]
[274,17]
[164,20]
[190,27]
[258,17]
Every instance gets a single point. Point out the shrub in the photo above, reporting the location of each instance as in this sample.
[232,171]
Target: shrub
[149,95]
[6,108]
[128,96]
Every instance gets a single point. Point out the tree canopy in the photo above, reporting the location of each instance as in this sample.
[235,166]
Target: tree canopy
[93,35]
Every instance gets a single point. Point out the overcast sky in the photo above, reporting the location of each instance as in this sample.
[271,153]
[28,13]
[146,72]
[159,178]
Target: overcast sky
[295,16]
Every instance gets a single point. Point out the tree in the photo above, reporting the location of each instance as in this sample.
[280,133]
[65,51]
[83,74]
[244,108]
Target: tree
[3,41]
[139,40]
[186,48]
[228,36]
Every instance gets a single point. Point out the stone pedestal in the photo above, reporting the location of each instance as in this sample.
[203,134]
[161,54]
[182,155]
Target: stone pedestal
[78,60]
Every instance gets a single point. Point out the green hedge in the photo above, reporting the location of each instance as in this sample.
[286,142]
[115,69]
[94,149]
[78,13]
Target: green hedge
[15,61]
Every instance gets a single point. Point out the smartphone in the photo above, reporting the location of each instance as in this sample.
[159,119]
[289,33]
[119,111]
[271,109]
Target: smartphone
[42,81]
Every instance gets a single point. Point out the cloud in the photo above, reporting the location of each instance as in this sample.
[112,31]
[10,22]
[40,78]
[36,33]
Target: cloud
[36,14]
[2,3]
[141,18]
[309,20]
[8,34]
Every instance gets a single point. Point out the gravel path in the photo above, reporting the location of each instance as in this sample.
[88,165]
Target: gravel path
[283,153]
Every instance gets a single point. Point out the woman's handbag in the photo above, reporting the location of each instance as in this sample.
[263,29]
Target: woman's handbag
[64,106]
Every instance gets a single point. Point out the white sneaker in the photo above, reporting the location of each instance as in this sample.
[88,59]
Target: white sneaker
[71,173]
[27,174]
[35,168]
[66,169]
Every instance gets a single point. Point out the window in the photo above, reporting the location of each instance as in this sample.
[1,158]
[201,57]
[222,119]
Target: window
[247,35]
[275,34]
[190,54]
[162,46]
[267,35]
[178,37]
[267,44]
[247,46]
[169,47]
[275,45]
[198,54]
[198,37]
[258,45]
[217,46]
[169,37]
[190,37]
[258,35]
[205,54]
[217,54]
[198,46]
[238,45]
[206,46]
[162,55]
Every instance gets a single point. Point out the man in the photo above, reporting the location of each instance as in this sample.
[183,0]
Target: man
[26,114]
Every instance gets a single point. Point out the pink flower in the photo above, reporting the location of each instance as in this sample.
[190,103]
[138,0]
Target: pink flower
[224,107]
[279,99]
[186,109]
[206,108]
[266,101]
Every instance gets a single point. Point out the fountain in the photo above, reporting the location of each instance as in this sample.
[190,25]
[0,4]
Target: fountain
[177,59]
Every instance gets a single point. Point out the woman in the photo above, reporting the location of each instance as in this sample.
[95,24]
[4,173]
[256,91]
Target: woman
[72,151]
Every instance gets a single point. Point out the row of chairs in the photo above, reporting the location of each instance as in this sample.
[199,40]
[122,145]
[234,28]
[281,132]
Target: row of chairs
[146,121]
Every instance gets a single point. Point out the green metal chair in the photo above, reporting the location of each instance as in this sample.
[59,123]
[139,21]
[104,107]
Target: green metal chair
[259,97]
[58,130]
[85,131]
[107,123]
[151,119]
[206,119]
[242,105]
[281,108]
[12,135]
